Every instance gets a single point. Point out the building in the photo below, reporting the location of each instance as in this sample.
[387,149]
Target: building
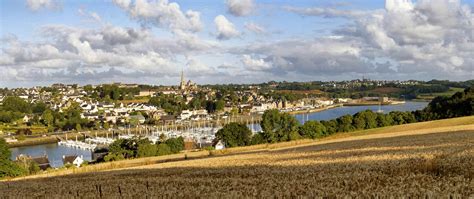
[219,145]
[74,160]
[42,161]
[183,86]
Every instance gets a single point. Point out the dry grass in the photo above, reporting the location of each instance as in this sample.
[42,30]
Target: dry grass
[430,160]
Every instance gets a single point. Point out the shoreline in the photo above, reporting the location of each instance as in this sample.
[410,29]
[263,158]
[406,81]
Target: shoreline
[315,110]
[374,103]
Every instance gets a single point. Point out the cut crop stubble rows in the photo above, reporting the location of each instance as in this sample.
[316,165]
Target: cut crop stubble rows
[427,165]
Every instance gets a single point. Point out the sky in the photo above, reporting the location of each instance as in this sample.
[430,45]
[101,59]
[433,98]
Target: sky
[233,41]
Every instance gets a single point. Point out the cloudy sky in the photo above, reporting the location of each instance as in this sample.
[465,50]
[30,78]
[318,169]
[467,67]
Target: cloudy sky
[233,41]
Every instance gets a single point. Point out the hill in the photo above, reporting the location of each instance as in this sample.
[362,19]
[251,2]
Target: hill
[425,159]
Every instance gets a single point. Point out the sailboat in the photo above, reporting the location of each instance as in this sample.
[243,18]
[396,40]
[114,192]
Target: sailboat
[380,108]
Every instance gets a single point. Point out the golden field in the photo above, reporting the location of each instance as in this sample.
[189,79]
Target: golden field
[432,159]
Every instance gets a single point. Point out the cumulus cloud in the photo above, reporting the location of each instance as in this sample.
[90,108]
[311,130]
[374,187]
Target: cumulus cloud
[425,37]
[40,4]
[255,64]
[240,7]
[225,28]
[162,13]
[321,56]
[86,50]
[255,28]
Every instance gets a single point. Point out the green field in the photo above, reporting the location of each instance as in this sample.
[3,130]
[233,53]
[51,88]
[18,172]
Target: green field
[450,92]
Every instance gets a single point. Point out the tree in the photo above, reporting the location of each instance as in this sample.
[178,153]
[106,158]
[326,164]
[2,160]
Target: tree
[16,104]
[220,104]
[257,139]
[7,167]
[234,134]
[163,149]
[147,150]
[176,144]
[384,120]
[312,129]
[345,124]
[365,120]
[331,126]
[39,107]
[278,126]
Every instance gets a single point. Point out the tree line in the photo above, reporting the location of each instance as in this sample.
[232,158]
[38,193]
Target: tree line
[137,147]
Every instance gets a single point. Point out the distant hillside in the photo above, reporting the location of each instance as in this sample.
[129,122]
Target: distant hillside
[428,159]
[458,105]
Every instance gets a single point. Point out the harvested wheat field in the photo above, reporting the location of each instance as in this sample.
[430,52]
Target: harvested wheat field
[432,162]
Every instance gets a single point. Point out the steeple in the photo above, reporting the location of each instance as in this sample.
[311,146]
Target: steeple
[182,84]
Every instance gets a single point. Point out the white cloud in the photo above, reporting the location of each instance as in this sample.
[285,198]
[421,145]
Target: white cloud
[326,12]
[162,13]
[255,28]
[240,7]
[428,36]
[90,15]
[39,4]
[65,47]
[255,64]
[225,28]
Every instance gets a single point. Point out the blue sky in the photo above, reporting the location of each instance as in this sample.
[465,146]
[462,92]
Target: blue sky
[233,41]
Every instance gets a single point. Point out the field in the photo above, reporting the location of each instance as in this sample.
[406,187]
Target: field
[429,159]
[450,92]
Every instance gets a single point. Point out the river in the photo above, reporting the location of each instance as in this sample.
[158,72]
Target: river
[340,111]
[55,152]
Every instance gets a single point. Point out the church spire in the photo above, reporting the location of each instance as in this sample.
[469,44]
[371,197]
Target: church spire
[182,84]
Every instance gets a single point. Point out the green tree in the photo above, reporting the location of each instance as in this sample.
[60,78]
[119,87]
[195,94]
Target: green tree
[7,167]
[345,124]
[331,126]
[39,107]
[176,144]
[147,150]
[234,134]
[312,129]
[278,127]
[384,120]
[16,104]
[365,120]
[163,149]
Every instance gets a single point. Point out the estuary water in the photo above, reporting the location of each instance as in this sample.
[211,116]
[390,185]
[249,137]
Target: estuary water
[54,152]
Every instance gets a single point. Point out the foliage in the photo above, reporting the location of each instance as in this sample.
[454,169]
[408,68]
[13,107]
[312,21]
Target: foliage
[278,127]
[234,134]
[176,144]
[312,129]
[163,149]
[7,167]
[146,150]
[459,104]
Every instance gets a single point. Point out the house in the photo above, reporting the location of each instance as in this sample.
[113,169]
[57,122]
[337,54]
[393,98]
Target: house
[42,161]
[219,145]
[26,119]
[74,160]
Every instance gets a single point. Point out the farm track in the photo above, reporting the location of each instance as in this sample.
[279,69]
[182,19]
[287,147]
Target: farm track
[429,162]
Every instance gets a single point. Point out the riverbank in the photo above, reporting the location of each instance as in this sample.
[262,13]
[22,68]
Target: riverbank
[315,110]
[373,103]
[54,138]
